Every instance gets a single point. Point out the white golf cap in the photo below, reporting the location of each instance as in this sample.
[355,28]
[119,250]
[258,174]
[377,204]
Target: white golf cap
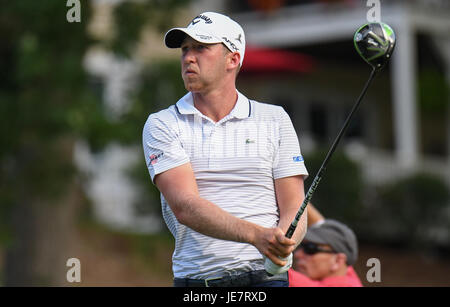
[210,28]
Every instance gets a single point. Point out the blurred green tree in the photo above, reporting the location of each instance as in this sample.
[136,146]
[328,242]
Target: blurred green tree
[46,104]
[433,97]
[43,86]
[411,209]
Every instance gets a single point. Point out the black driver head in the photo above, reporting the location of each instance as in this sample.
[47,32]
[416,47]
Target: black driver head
[375,43]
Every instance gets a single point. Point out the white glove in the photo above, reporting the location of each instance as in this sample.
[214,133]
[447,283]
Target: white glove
[274,269]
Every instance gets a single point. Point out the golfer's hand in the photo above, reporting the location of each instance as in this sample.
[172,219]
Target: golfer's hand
[272,243]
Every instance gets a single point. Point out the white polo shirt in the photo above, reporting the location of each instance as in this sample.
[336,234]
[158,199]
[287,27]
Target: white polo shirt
[235,162]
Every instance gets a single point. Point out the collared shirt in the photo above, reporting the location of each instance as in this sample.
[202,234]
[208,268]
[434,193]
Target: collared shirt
[235,162]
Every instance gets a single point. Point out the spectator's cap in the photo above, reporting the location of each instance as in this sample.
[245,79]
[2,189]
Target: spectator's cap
[337,235]
[210,28]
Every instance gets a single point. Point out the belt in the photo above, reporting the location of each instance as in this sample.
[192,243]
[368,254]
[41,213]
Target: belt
[241,280]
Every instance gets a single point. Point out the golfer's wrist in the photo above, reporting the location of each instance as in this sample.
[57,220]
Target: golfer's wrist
[253,233]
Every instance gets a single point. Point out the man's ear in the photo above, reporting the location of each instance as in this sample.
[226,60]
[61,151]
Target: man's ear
[234,60]
[340,261]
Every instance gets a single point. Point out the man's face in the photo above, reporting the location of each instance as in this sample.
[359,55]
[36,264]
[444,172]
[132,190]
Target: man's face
[317,265]
[203,66]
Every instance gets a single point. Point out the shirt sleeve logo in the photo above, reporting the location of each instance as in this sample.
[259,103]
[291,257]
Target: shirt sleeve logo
[298,159]
[154,158]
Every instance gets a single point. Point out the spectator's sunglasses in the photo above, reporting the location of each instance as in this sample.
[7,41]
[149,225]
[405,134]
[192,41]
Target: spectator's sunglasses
[311,248]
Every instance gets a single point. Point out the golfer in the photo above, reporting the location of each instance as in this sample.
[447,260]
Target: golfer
[229,169]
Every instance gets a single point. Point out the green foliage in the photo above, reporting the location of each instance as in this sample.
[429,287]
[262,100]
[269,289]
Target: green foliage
[434,100]
[410,207]
[46,98]
[132,16]
[44,82]
[48,101]
[433,92]
[339,193]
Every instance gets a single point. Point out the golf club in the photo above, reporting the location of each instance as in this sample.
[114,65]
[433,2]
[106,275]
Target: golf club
[375,43]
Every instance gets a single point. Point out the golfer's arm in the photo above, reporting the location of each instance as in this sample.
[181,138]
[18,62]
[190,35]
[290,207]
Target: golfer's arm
[290,194]
[180,190]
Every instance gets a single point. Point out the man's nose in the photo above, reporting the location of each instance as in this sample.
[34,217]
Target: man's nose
[188,56]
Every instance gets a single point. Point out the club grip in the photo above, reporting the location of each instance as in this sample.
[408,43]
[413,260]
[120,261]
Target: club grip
[274,269]
[290,231]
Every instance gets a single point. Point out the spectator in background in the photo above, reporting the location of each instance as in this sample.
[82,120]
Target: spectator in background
[326,255]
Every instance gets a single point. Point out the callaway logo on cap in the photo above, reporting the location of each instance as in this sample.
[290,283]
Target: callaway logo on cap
[210,28]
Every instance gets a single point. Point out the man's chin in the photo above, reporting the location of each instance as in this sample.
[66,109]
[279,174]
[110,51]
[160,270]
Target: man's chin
[192,86]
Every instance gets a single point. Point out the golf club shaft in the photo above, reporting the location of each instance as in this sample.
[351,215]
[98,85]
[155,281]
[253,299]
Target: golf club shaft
[319,174]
